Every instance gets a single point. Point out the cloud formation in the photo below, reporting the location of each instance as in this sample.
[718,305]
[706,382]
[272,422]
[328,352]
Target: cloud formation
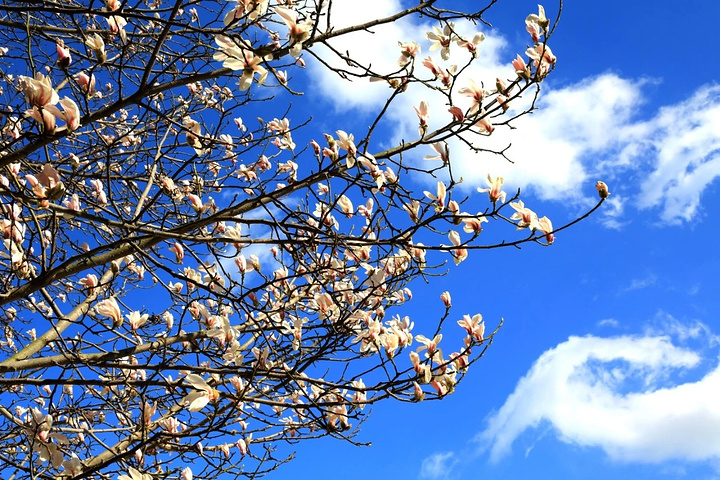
[580,132]
[615,393]
[438,465]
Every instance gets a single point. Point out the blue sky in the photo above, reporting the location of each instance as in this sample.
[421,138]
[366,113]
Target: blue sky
[607,364]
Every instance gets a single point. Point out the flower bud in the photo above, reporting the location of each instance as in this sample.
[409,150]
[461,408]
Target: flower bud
[445,297]
[602,189]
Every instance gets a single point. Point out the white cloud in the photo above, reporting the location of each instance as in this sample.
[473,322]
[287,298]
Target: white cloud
[580,133]
[438,465]
[608,322]
[649,280]
[582,388]
[684,141]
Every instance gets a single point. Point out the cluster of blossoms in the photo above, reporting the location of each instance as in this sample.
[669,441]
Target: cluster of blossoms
[207,287]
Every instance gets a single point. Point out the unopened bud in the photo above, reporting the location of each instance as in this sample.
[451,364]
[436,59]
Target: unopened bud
[445,297]
[602,189]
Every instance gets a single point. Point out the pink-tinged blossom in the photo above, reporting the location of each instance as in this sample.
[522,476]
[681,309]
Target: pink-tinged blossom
[38,91]
[443,152]
[473,224]
[298,32]
[494,192]
[526,218]
[345,205]
[418,394]
[242,58]
[459,254]
[439,197]
[89,282]
[447,76]
[97,45]
[537,25]
[73,466]
[168,317]
[441,39]
[148,410]
[484,126]
[430,345]
[186,474]
[99,191]
[242,446]
[12,229]
[247,264]
[325,304]
[195,202]
[408,51]
[501,87]
[367,209]
[502,100]
[249,10]
[423,114]
[457,114]
[86,83]
[110,308]
[49,179]
[474,326]
[545,226]
[193,134]
[542,57]
[117,25]
[44,117]
[413,210]
[433,66]
[423,370]
[475,92]
[602,189]
[63,55]
[347,142]
[70,113]
[179,252]
[460,362]
[12,129]
[136,319]
[471,45]
[521,68]
[389,176]
[201,396]
[445,297]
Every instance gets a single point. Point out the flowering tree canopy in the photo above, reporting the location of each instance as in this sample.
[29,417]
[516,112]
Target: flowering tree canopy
[191,274]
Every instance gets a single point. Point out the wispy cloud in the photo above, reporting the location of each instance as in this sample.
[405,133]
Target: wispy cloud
[584,389]
[608,322]
[640,283]
[438,465]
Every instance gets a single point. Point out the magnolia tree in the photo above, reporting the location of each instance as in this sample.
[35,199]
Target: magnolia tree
[193,274]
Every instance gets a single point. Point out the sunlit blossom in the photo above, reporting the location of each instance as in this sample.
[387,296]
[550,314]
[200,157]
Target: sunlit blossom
[408,51]
[545,226]
[526,218]
[298,31]
[240,57]
[201,396]
[494,192]
[439,197]
[602,189]
[441,39]
[110,308]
